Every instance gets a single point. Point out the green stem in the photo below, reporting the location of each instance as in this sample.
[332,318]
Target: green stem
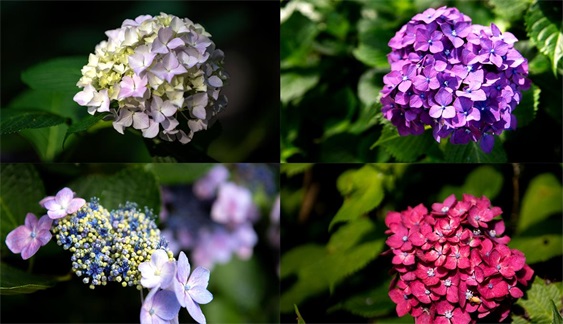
[30,266]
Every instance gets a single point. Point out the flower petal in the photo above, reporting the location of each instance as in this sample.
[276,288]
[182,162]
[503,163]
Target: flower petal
[75,205]
[18,239]
[165,304]
[195,311]
[199,278]
[200,295]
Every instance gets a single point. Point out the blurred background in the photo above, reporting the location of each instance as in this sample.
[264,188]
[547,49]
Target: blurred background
[248,33]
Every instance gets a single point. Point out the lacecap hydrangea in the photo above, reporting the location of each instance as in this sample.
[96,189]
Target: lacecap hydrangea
[453,264]
[152,71]
[464,80]
[124,246]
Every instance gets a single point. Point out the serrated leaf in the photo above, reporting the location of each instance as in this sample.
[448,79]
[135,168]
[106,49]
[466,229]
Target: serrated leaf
[538,301]
[295,85]
[519,320]
[369,304]
[362,190]
[557,319]
[526,111]
[538,248]
[291,169]
[14,281]
[542,199]
[545,28]
[84,124]
[15,120]
[405,148]
[21,189]
[178,173]
[472,153]
[133,184]
[59,74]
[483,181]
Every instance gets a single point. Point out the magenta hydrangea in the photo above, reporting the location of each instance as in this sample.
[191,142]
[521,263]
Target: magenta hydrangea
[464,80]
[452,262]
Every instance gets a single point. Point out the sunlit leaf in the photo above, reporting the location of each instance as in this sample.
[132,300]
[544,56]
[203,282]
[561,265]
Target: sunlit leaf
[538,248]
[15,120]
[59,74]
[372,47]
[296,41]
[362,190]
[541,200]
[539,299]
[295,85]
[525,112]
[510,10]
[483,181]
[291,169]
[545,27]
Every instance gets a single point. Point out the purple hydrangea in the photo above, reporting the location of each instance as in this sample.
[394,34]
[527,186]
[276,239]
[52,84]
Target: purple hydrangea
[463,80]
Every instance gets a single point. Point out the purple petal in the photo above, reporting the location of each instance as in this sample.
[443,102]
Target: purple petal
[405,85]
[44,237]
[435,111]
[183,268]
[200,295]
[75,205]
[199,278]
[46,199]
[30,221]
[436,47]
[19,238]
[56,214]
[496,59]
[176,42]
[165,304]
[195,311]
[30,249]
[64,196]
[487,142]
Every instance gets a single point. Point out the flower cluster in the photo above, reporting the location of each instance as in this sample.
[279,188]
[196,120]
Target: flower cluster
[214,218]
[123,245]
[462,79]
[109,246]
[151,70]
[453,263]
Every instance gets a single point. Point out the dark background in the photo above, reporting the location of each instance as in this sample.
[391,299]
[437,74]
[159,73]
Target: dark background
[248,33]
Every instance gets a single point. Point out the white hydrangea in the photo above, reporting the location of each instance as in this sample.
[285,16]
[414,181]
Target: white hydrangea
[150,71]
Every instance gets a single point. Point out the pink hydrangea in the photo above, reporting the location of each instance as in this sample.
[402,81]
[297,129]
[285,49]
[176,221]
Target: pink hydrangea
[452,263]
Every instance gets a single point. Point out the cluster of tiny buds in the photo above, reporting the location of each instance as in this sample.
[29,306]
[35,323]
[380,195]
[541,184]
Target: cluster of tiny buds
[109,246]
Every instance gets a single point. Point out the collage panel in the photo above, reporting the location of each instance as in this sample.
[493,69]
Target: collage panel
[422,243]
[421,81]
[123,243]
[140,81]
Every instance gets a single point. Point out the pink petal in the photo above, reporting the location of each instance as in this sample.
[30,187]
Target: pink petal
[30,249]
[44,223]
[75,205]
[64,196]
[30,221]
[18,239]
[56,214]
[44,200]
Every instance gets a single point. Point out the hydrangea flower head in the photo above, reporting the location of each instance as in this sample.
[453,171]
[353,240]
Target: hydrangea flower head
[463,80]
[111,245]
[452,264]
[28,238]
[153,72]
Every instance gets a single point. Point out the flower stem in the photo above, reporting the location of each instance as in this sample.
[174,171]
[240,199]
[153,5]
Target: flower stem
[30,265]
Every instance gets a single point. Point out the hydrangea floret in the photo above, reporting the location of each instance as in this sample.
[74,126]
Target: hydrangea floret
[151,71]
[461,79]
[452,262]
[123,245]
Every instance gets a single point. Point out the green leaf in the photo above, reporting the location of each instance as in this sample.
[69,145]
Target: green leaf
[557,319]
[368,90]
[21,189]
[14,281]
[48,141]
[59,74]
[373,37]
[519,320]
[545,28]
[349,234]
[84,124]
[539,301]
[362,190]
[291,169]
[541,200]
[372,303]
[405,148]
[300,319]
[178,173]
[299,257]
[538,248]
[510,10]
[15,120]
[483,181]
[297,35]
[295,85]
[472,153]
[526,111]
[132,184]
